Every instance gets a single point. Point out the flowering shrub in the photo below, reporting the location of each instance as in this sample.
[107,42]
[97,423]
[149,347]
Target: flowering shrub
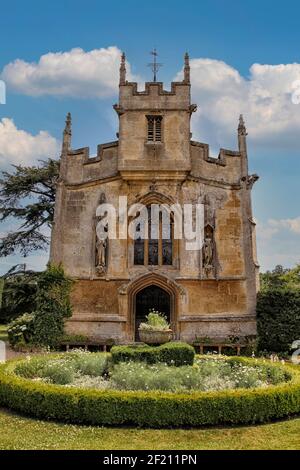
[205,375]
[20,331]
[89,370]
[65,369]
[58,372]
[156,321]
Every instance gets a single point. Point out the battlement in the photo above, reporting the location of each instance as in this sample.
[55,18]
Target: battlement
[224,169]
[155,88]
[154,97]
[79,167]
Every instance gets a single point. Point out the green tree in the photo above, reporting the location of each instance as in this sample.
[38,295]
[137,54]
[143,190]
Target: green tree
[19,290]
[27,195]
[276,279]
[278,309]
[291,278]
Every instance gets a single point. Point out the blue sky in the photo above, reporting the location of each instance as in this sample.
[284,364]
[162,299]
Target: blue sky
[224,39]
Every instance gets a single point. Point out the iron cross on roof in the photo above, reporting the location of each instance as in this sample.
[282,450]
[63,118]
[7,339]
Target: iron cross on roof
[154,65]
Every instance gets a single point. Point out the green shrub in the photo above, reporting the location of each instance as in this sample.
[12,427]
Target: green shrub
[53,306]
[150,409]
[174,353]
[45,326]
[140,353]
[177,354]
[73,339]
[278,319]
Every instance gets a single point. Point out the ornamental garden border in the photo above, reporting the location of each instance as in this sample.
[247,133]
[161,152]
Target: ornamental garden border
[149,409]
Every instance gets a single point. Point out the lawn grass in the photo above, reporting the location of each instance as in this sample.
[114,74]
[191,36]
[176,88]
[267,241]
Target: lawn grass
[26,433]
[3,333]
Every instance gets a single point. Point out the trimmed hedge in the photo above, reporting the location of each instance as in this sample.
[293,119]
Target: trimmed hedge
[173,353]
[149,409]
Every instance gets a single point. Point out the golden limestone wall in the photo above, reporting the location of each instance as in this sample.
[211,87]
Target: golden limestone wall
[175,170]
[99,309]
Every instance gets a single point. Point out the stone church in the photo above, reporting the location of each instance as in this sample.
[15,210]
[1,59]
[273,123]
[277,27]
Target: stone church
[155,161]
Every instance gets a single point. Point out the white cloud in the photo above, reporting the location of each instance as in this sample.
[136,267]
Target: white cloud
[292,225]
[278,242]
[265,232]
[18,146]
[73,73]
[266,99]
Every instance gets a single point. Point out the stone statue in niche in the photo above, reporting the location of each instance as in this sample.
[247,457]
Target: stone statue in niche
[101,244]
[101,248]
[208,252]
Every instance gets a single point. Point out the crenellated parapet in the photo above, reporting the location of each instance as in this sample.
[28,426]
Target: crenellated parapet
[225,169]
[155,97]
[80,168]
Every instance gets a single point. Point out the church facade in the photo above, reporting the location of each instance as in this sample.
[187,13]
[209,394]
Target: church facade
[209,292]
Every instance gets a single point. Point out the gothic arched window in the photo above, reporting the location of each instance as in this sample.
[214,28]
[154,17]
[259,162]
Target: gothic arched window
[157,249]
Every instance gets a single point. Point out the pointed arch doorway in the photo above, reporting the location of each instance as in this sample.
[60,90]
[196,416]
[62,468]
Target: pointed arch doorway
[148,298]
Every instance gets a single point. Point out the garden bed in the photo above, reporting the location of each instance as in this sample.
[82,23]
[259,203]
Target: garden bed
[28,387]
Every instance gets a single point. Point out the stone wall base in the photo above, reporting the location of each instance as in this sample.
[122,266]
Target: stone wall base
[189,329]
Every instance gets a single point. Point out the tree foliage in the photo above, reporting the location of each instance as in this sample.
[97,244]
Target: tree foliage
[278,309]
[278,319]
[18,296]
[281,278]
[27,195]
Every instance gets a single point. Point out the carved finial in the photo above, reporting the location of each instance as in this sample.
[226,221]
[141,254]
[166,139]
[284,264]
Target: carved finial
[242,128]
[186,68]
[242,143]
[68,129]
[67,133]
[123,69]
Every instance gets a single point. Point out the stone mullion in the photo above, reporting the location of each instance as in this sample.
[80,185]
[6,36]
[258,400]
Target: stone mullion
[160,257]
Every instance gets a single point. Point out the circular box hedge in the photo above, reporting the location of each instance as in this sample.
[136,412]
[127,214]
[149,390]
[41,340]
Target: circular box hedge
[149,409]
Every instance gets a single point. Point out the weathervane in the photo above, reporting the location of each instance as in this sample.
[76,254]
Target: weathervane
[154,65]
